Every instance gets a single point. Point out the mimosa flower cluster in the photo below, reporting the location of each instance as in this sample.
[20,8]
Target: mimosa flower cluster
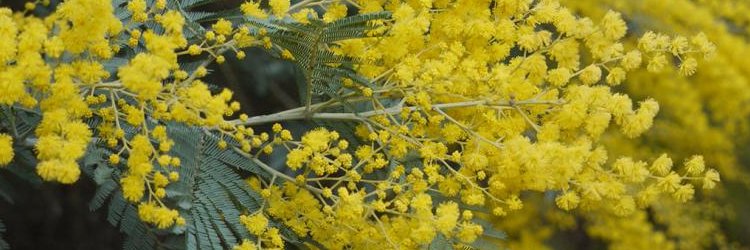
[699,114]
[476,111]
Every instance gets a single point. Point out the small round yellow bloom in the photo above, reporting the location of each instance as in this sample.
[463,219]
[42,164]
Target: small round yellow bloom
[194,50]
[6,149]
[222,27]
[590,74]
[114,159]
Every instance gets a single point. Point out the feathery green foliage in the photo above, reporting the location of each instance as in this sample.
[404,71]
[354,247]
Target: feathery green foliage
[324,71]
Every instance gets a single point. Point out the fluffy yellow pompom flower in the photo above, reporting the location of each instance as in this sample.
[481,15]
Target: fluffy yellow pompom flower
[143,75]
[568,200]
[616,76]
[591,74]
[695,165]
[559,77]
[475,161]
[246,245]
[222,27]
[138,8]
[630,171]
[172,22]
[194,50]
[688,66]
[469,232]
[279,7]
[11,86]
[65,172]
[631,60]
[662,165]
[684,193]
[335,11]
[133,187]
[303,16]
[625,206]
[8,46]
[87,34]
[253,10]
[160,216]
[636,124]
[613,26]
[710,179]
[317,140]
[6,149]
[255,224]
[447,217]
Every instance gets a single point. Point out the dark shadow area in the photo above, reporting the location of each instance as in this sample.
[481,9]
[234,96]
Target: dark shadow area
[53,216]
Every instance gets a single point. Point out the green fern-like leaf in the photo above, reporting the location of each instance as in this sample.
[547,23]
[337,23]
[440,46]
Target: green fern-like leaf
[440,243]
[195,3]
[23,166]
[101,195]
[139,235]
[120,212]
[211,193]
[322,69]
[215,194]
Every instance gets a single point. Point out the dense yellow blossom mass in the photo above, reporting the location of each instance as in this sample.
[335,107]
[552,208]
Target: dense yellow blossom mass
[6,149]
[501,112]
